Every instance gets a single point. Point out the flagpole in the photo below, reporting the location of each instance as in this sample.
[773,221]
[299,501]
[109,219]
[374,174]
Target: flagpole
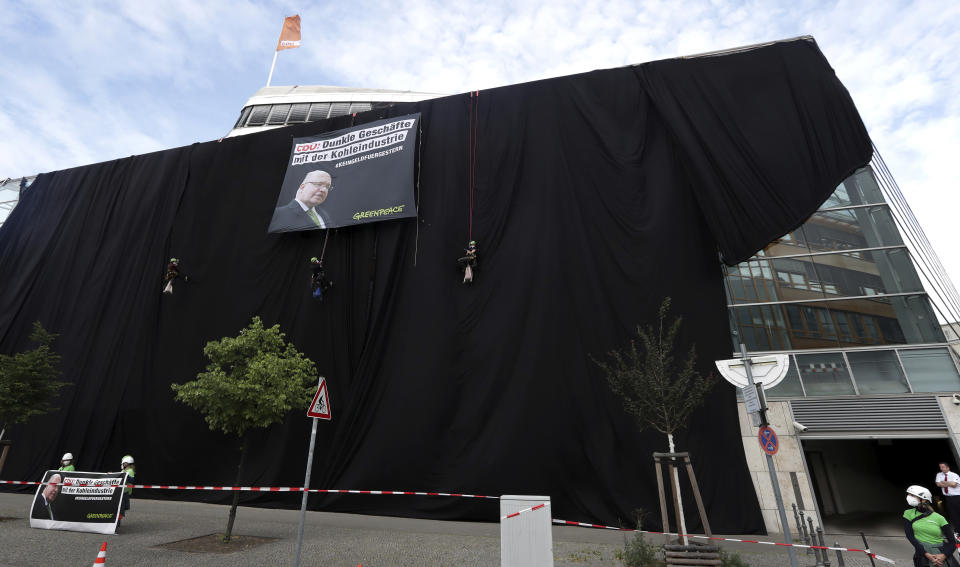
[272,65]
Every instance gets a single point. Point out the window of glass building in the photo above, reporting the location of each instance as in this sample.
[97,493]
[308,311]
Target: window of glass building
[339,109]
[790,386]
[319,111]
[774,279]
[258,116]
[851,229]
[359,107]
[824,374]
[299,113]
[278,114]
[930,370]
[877,372]
[243,117]
[861,188]
[870,272]
[761,327]
[789,244]
[831,324]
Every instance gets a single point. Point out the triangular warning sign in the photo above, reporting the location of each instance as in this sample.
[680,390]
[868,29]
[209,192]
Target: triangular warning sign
[320,407]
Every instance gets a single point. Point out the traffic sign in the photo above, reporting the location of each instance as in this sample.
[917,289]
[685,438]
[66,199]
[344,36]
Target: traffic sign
[320,406]
[751,399]
[768,440]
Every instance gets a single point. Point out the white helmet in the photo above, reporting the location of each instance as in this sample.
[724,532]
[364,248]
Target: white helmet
[920,492]
[126,460]
[67,457]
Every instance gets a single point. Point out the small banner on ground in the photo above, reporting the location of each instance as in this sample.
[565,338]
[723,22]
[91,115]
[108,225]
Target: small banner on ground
[78,501]
[352,176]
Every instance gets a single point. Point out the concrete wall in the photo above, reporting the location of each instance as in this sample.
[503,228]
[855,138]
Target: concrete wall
[789,459]
[951,412]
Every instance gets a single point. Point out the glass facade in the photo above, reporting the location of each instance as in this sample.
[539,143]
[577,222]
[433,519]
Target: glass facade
[843,280]
[282,114]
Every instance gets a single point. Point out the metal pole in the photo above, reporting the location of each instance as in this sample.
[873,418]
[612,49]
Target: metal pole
[306,486]
[272,65]
[788,538]
[796,519]
[803,531]
[813,542]
[3,456]
[840,562]
[826,557]
[867,547]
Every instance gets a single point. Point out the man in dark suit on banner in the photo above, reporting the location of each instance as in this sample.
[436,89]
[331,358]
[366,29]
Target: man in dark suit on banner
[43,504]
[303,212]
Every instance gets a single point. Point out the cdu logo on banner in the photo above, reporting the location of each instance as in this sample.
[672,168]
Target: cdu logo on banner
[352,176]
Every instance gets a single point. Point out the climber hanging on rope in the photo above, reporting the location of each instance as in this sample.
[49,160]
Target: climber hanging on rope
[318,278]
[173,272]
[468,262]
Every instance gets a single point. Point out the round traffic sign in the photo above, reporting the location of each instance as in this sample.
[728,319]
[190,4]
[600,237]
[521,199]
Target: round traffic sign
[768,440]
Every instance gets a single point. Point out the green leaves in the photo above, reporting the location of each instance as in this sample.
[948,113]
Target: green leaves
[28,380]
[654,388]
[252,380]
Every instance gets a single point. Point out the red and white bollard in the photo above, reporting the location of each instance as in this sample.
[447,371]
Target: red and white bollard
[102,556]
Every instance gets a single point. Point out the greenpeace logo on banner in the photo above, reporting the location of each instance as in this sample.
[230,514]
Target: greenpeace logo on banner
[351,176]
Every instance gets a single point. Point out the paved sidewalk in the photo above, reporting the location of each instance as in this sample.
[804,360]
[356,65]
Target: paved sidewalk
[334,540]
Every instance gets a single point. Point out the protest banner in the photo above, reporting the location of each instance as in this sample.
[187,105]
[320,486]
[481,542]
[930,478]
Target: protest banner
[78,501]
[346,177]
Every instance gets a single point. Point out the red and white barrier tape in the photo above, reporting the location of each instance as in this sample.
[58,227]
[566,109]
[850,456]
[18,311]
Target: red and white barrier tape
[530,509]
[461,495]
[277,489]
[714,538]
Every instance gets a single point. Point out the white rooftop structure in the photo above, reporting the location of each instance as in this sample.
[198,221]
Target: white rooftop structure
[273,107]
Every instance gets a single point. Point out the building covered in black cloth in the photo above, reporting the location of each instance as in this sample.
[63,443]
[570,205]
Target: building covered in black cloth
[593,197]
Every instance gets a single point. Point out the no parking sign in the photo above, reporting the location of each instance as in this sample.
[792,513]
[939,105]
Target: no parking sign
[768,440]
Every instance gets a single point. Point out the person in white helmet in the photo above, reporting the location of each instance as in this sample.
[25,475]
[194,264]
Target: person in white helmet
[66,462]
[929,532]
[127,465]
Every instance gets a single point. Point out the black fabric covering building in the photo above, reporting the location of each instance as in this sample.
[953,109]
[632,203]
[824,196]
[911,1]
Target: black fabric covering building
[596,196]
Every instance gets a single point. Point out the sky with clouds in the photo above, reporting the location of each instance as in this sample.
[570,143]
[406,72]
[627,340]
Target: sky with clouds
[86,81]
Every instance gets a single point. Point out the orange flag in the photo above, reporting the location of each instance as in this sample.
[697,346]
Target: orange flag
[290,34]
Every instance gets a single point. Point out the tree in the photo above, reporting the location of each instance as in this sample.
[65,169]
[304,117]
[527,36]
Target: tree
[252,381]
[656,389]
[28,380]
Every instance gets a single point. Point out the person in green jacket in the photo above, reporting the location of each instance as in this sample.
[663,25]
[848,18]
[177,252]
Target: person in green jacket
[930,534]
[66,462]
[127,466]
